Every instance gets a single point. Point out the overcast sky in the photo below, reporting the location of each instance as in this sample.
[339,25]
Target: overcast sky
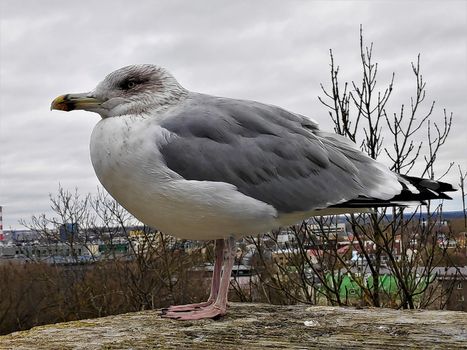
[271,51]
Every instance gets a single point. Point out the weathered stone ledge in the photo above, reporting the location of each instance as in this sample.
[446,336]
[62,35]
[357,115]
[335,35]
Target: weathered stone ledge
[256,326]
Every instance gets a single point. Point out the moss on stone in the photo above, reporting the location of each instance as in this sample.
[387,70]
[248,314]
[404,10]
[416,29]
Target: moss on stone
[256,326]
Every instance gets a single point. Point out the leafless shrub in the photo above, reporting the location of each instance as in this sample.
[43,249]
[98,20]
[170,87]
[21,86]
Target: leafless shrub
[390,244]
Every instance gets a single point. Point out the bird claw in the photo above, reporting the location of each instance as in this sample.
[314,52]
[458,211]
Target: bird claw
[212,311]
[187,307]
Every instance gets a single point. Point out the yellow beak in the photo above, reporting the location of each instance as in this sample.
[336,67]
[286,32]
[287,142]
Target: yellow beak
[70,102]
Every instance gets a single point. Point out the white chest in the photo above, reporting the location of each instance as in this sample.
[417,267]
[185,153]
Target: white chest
[125,157]
[124,148]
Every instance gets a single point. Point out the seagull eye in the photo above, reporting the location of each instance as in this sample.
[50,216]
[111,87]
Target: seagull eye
[128,84]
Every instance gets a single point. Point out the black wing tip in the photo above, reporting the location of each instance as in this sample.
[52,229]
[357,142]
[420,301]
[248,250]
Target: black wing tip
[438,186]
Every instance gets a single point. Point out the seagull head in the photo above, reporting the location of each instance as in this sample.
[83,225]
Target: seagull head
[131,90]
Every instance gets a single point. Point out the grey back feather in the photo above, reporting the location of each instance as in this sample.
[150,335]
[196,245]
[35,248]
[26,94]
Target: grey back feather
[268,153]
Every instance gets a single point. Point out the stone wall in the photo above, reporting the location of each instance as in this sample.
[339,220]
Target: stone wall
[256,326]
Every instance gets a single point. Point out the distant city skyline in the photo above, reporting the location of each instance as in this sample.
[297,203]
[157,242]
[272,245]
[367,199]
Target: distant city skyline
[271,51]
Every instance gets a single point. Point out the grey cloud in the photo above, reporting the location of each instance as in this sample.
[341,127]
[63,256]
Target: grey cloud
[271,51]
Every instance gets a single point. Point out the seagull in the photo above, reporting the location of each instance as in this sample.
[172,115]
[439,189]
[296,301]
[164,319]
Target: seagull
[203,167]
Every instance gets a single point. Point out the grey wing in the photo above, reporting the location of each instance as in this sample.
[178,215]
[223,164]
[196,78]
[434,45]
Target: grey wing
[270,154]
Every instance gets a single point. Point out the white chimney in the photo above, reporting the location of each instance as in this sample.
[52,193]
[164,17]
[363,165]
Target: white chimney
[2,237]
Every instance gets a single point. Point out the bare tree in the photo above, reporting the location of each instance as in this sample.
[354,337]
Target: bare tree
[370,106]
[129,266]
[397,254]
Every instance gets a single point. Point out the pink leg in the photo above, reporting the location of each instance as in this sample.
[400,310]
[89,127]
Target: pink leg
[219,307]
[216,277]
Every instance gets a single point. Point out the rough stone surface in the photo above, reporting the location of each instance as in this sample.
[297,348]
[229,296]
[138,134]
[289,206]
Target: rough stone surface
[256,326]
